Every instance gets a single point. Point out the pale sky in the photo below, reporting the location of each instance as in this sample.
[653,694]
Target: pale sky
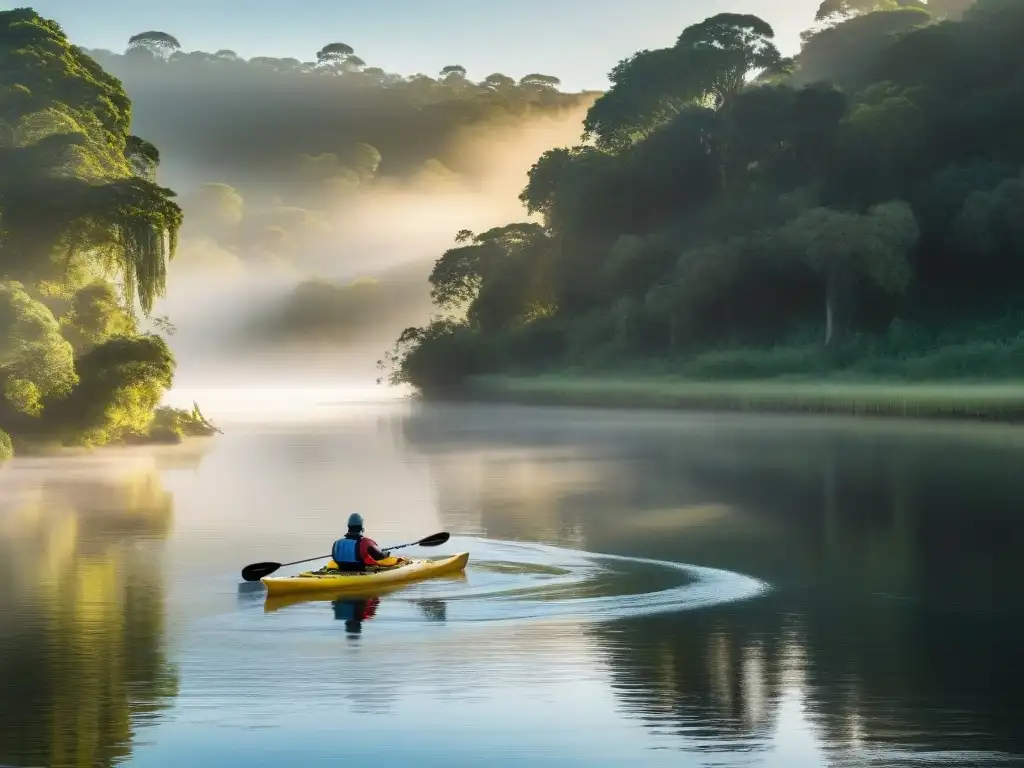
[576,40]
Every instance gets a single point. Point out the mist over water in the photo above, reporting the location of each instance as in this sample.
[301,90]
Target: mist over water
[391,231]
[650,589]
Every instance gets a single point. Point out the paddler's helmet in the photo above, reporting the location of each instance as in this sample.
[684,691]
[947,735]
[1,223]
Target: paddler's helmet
[355,522]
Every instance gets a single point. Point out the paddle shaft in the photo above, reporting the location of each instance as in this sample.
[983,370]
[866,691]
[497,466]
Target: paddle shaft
[321,557]
[259,570]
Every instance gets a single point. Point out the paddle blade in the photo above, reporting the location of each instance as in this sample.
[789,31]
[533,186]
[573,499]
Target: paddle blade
[434,541]
[257,571]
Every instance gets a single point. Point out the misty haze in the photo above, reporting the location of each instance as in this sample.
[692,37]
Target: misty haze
[534,383]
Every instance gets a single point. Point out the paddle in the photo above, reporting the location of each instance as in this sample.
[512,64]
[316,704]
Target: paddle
[257,571]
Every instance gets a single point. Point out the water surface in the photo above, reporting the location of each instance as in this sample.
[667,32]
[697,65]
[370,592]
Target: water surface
[655,589]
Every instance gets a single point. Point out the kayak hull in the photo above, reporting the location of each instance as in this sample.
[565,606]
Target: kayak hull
[416,570]
[273,603]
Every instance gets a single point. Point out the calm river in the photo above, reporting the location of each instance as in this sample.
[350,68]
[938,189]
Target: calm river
[644,589]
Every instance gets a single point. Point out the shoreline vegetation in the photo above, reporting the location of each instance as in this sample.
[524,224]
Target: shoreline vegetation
[976,401]
[86,234]
[835,232]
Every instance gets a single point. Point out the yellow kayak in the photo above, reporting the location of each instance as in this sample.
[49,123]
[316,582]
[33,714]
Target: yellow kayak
[321,581]
[277,602]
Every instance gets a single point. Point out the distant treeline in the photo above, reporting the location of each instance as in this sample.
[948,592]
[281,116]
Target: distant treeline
[243,119]
[269,153]
[732,213]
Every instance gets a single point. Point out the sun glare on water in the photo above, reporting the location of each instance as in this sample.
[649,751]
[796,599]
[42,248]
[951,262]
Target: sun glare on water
[276,403]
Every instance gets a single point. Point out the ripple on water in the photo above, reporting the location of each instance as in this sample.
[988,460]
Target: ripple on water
[510,582]
[516,612]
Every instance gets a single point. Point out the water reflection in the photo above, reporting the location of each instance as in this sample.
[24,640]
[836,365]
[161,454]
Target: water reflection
[433,610]
[355,612]
[892,635]
[82,661]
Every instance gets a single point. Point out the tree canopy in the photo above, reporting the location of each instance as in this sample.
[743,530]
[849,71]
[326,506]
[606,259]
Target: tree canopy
[725,202]
[86,234]
[291,145]
[192,104]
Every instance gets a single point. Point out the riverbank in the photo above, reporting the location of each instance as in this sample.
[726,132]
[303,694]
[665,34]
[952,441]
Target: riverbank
[169,426]
[1003,402]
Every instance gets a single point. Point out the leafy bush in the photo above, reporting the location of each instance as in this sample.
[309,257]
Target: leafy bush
[172,425]
[6,447]
[121,382]
[436,358]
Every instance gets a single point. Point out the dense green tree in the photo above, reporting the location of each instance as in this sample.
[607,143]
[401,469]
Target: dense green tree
[35,360]
[95,314]
[155,42]
[830,9]
[85,237]
[540,81]
[990,226]
[334,53]
[847,54]
[498,82]
[456,71]
[710,63]
[845,249]
[121,383]
[731,48]
[68,185]
[864,194]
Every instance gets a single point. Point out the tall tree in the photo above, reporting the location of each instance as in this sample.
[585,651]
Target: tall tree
[735,46]
[70,193]
[847,250]
[540,81]
[155,42]
[335,56]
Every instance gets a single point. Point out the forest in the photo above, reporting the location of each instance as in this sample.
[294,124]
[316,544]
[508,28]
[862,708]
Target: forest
[302,169]
[283,149]
[728,213]
[86,234]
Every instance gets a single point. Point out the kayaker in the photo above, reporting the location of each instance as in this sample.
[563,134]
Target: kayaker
[354,552]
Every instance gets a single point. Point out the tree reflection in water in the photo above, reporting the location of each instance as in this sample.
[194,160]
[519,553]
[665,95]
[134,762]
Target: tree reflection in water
[82,659]
[894,622]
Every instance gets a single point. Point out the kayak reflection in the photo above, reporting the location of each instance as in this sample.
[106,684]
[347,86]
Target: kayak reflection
[355,612]
[433,609]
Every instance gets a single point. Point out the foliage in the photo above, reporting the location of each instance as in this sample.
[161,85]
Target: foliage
[154,42]
[69,193]
[35,360]
[95,314]
[85,237]
[330,131]
[435,358]
[734,211]
[6,447]
[359,119]
[709,64]
[122,381]
[172,425]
